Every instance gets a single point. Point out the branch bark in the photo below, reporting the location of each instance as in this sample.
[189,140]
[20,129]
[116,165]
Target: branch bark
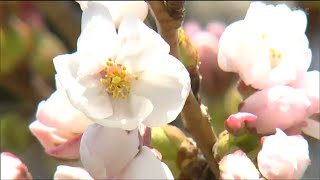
[169,16]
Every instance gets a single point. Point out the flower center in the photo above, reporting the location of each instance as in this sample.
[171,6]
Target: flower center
[275,56]
[117,80]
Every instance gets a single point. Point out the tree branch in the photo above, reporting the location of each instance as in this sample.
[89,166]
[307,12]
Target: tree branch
[169,16]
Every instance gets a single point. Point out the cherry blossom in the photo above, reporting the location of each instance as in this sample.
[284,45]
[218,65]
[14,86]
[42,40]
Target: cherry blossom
[268,47]
[283,157]
[119,79]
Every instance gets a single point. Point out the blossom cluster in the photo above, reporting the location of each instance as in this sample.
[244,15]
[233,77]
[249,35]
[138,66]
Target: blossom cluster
[109,92]
[270,52]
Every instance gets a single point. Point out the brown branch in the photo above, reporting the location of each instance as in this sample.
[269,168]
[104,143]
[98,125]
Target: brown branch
[169,16]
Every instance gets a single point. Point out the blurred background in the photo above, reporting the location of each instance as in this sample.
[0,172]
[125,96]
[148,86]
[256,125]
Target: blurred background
[32,33]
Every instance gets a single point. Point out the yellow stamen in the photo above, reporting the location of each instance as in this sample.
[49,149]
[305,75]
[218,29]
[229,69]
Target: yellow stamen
[275,57]
[117,79]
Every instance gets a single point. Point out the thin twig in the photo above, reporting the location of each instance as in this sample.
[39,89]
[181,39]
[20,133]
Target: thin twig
[169,16]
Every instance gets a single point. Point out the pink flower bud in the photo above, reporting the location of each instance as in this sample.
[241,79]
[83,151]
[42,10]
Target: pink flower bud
[75,173]
[106,151]
[57,143]
[283,157]
[59,126]
[277,107]
[237,166]
[236,123]
[12,168]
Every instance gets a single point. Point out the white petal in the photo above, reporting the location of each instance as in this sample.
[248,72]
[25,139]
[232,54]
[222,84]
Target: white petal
[166,84]
[146,166]
[239,48]
[66,172]
[98,34]
[93,101]
[106,151]
[137,43]
[119,9]
[127,113]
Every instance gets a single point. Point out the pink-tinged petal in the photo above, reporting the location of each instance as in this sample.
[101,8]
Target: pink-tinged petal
[277,107]
[167,77]
[67,150]
[239,121]
[68,172]
[106,151]
[283,157]
[146,166]
[13,168]
[49,114]
[237,166]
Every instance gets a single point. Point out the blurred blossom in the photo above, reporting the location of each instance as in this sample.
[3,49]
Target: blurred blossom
[269,47]
[278,107]
[75,173]
[59,126]
[120,156]
[214,80]
[119,78]
[120,9]
[237,123]
[237,166]
[283,157]
[12,168]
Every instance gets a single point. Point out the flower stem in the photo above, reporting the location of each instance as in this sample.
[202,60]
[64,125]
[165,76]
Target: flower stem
[169,16]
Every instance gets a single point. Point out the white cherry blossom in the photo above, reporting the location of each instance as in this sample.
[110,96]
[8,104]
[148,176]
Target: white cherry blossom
[122,78]
[268,47]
